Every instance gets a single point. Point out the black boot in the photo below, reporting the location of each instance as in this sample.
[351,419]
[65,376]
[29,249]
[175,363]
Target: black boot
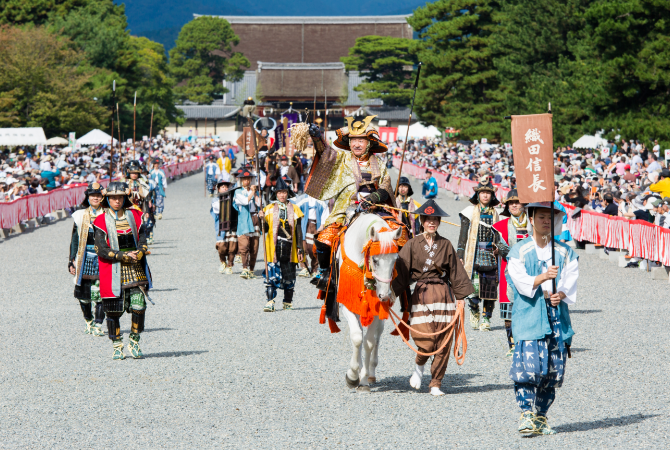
[99,313]
[288,299]
[323,257]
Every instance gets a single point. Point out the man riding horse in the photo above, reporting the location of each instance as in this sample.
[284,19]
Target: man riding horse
[355,177]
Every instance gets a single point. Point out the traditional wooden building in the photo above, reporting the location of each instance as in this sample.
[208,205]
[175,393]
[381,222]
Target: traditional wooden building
[294,60]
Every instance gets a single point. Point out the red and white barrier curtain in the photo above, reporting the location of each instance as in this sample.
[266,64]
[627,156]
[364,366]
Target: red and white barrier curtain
[38,205]
[641,239]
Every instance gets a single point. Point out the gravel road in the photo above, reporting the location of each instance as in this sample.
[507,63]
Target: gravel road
[220,373]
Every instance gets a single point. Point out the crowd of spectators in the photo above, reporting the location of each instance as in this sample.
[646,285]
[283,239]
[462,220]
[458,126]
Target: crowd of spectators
[24,172]
[624,179]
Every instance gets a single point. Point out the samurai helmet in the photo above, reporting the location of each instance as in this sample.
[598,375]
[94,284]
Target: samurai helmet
[360,128]
[93,188]
[484,185]
[117,188]
[512,195]
[134,166]
[283,184]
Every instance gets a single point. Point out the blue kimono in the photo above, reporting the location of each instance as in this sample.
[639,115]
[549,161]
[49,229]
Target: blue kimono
[541,331]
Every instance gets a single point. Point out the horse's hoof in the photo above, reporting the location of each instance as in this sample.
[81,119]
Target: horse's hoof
[352,384]
[372,380]
[363,389]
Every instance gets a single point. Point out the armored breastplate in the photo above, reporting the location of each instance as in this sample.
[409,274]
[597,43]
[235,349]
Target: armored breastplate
[366,186]
[484,257]
[126,242]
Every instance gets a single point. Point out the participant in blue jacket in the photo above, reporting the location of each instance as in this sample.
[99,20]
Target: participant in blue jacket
[429,189]
[541,327]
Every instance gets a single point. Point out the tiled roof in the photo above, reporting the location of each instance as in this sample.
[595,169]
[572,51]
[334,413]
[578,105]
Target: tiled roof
[278,20]
[212,112]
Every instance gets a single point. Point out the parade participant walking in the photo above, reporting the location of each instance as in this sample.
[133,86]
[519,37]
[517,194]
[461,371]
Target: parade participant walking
[513,229]
[212,173]
[247,202]
[315,213]
[286,170]
[120,243]
[351,176]
[541,325]
[406,202]
[157,175]
[139,188]
[283,243]
[226,239]
[83,261]
[477,252]
[431,261]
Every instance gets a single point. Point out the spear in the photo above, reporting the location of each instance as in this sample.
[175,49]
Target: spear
[151,124]
[134,113]
[409,120]
[111,145]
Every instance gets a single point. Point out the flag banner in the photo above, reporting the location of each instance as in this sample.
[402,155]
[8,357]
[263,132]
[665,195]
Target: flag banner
[533,143]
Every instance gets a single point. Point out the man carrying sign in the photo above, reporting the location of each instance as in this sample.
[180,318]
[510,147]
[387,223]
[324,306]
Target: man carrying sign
[543,276]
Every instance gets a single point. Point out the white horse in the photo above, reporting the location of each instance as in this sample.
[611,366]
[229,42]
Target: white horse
[366,227]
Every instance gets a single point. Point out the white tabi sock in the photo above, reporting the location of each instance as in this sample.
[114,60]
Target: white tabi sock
[436,391]
[415,380]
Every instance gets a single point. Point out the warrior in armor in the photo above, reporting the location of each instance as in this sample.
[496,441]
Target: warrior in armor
[225,225]
[355,177]
[513,229]
[247,202]
[120,243]
[406,202]
[287,170]
[283,243]
[83,261]
[315,212]
[157,175]
[478,252]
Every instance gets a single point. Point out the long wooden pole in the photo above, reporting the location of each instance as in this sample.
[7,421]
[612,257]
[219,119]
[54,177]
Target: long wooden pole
[111,145]
[118,125]
[151,124]
[260,195]
[134,116]
[409,121]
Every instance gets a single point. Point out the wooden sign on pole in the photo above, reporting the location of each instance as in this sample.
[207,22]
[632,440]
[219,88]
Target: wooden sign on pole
[245,144]
[533,144]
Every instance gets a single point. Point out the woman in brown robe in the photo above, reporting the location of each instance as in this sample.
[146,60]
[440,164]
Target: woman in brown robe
[431,261]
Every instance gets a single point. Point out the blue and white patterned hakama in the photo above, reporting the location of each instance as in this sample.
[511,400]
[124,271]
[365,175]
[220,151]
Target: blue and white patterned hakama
[538,367]
[160,203]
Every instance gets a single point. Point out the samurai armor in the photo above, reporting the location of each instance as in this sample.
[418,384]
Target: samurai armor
[132,275]
[90,267]
[485,260]
[506,311]
[114,307]
[488,285]
[283,249]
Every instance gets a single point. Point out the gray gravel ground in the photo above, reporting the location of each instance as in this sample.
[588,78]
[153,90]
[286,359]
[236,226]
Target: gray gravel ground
[220,373]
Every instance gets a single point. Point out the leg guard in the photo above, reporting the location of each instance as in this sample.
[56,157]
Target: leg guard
[508,330]
[323,258]
[114,329]
[137,323]
[288,295]
[488,307]
[270,291]
[86,309]
[99,313]
[473,303]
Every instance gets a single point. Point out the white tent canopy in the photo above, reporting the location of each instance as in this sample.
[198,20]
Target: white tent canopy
[57,141]
[95,137]
[418,131]
[588,141]
[12,137]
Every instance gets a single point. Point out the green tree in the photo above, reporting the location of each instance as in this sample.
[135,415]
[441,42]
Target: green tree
[458,86]
[625,57]
[203,57]
[386,63]
[35,12]
[533,54]
[137,64]
[44,82]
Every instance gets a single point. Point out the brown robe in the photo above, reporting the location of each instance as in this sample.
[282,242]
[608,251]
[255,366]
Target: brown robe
[439,277]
